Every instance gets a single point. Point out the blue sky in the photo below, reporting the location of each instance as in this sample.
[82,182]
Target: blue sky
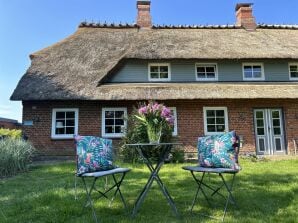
[30,25]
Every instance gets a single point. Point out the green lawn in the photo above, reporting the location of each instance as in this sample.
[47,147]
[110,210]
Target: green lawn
[265,191]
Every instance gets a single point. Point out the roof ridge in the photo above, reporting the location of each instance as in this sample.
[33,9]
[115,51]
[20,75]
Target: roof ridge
[185,26]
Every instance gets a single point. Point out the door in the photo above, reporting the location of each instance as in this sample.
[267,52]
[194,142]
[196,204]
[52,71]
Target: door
[269,131]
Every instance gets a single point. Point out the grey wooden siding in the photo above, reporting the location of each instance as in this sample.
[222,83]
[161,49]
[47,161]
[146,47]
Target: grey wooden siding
[184,71]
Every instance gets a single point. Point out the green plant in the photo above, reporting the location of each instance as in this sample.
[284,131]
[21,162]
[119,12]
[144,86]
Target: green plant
[137,133]
[16,154]
[177,156]
[12,133]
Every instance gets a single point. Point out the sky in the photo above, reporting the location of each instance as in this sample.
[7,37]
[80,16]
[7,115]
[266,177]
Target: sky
[27,26]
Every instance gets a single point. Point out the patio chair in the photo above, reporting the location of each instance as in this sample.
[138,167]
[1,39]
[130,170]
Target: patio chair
[94,161]
[218,155]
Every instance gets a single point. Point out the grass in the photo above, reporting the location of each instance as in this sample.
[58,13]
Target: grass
[265,192]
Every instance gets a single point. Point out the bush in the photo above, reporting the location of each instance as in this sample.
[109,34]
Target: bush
[15,156]
[11,133]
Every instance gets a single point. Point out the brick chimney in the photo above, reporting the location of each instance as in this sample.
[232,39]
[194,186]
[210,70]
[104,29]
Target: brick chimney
[244,16]
[144,17]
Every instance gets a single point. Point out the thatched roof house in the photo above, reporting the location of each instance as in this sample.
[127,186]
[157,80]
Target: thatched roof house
[79,72]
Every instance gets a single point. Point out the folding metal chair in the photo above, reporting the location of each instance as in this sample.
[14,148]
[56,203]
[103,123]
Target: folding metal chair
[117,183]
[202,185]
[117,174]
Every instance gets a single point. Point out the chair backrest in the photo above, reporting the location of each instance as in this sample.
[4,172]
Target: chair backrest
[93,154]
[220,151]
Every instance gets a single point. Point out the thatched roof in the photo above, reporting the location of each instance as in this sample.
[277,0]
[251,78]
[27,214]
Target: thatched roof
[75,67]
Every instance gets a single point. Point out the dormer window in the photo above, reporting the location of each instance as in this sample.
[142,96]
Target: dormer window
[206,72]
[293,71]
[159,72]
[253,72]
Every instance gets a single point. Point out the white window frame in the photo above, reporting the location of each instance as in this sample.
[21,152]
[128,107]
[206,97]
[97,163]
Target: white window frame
[175,129]
[64,136]
[262,78]
[205,119]
[292,78]
[159,79]
[204,65]
[112,135]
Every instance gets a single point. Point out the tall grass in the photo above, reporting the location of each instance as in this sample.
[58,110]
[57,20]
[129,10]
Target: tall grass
[15,155]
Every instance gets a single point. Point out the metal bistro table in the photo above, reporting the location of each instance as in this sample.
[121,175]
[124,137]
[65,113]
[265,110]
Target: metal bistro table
[165,149]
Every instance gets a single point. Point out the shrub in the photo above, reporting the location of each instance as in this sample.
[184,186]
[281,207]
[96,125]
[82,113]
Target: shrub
[11,133]
[15,156]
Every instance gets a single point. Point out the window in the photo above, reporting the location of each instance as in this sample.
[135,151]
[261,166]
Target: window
[293,71]
[206,72]
[215,120]
[159,72]
[253,71]
[64,123]
[113,122]
[174,113]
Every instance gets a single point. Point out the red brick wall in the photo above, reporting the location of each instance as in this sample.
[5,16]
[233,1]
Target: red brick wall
[189,115]
[9,125]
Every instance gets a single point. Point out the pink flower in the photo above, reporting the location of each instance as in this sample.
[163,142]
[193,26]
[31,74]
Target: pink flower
[165,112]
[143,110]
[155,107]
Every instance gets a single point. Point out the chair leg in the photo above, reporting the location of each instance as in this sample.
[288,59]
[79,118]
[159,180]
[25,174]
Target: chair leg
[199,182]
[88,193]
[118,184]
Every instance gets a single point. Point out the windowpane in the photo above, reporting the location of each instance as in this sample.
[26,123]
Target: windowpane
[109,114]
[154,69]
[163,75]
[70,114]
[220,128]
[210,113]
[257,69]
[164,69]
[248,74]
[70,122]
[276,131]
[109,121]
[211,128]
[210,120]
[262,145]
[60,123]
[154,75]
[201,69]
[210,69]
[259,114]
[69,130]
[201,75]
[260,131]
[59,131]
[220,121]
[294,74]
[247,69]
[275,114]
[260,123]
[118,129]
[278,144]
[210,75]
[276,122]
[108,129]
[294,68]
[119,121]
[257,75]
[60,115]
[220,113]
[119,114]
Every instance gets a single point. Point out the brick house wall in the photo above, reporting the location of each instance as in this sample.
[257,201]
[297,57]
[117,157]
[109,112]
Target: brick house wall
[189,118]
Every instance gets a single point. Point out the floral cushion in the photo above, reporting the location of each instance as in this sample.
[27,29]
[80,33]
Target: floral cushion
[93,154]
[218,151]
